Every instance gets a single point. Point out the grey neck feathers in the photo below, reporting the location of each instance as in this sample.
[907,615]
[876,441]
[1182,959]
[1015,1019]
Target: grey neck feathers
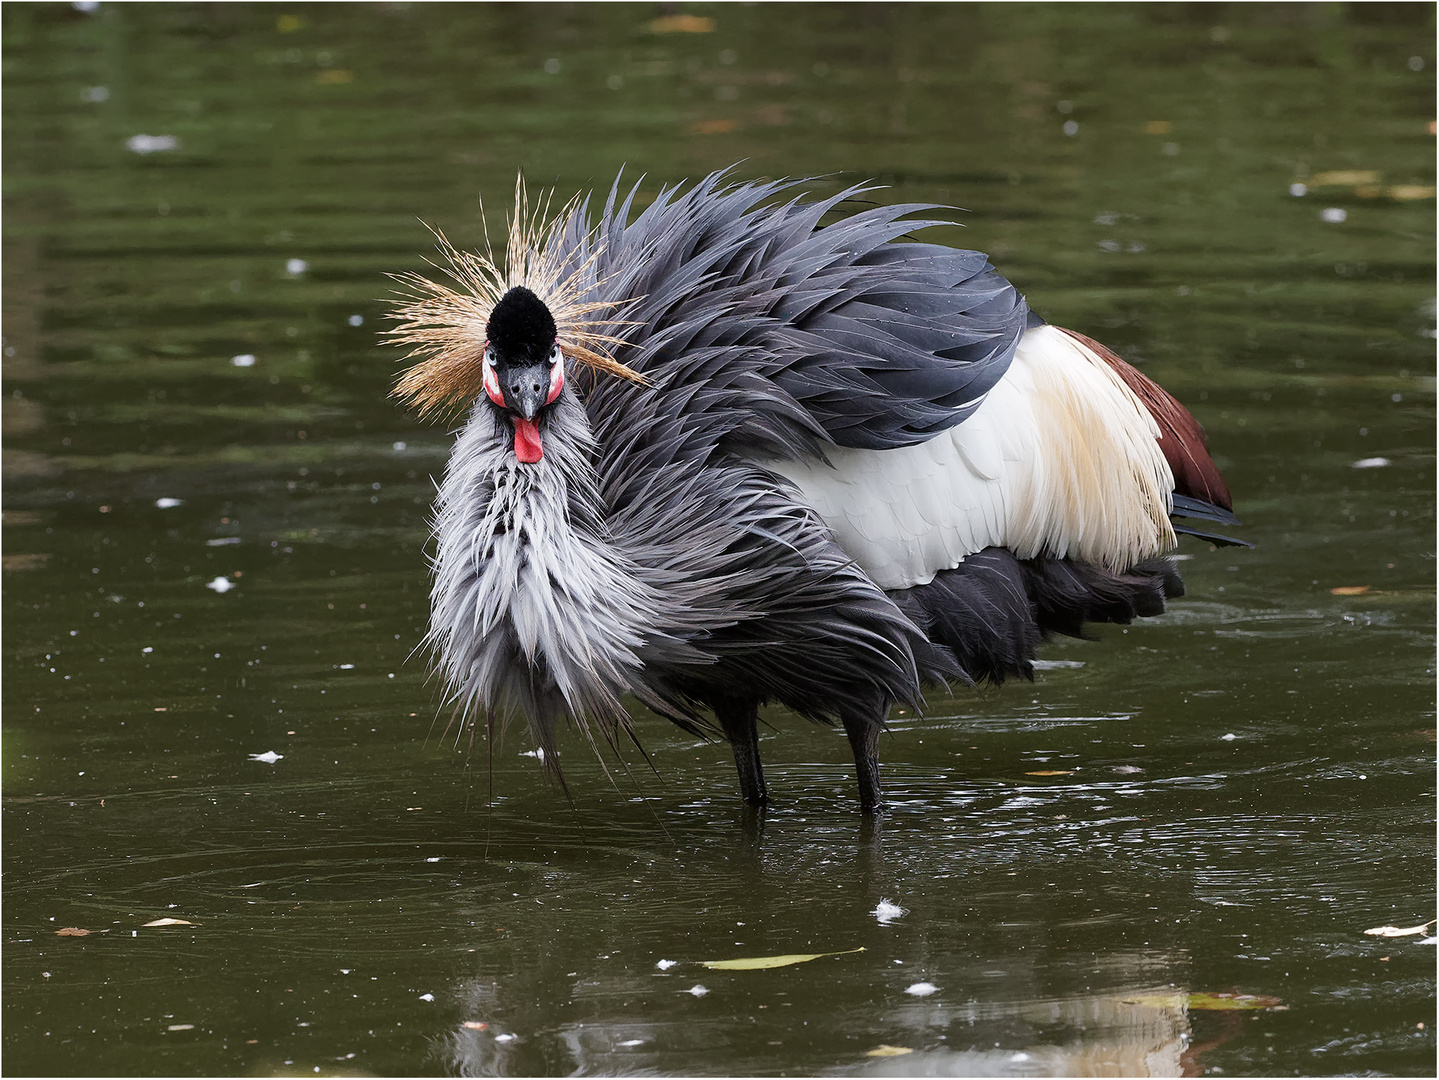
[534,612]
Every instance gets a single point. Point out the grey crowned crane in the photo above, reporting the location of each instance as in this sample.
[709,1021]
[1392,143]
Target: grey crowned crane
[727,453]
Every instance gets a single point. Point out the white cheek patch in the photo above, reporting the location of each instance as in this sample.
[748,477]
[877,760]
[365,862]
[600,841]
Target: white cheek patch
[557,380]
[492,384]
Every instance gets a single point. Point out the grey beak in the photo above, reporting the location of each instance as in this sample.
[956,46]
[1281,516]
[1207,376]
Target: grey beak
[525,388]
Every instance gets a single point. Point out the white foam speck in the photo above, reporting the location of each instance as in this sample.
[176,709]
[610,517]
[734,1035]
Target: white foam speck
[921,989]
[269,757]
[697,990]
[886,912]
[150,144]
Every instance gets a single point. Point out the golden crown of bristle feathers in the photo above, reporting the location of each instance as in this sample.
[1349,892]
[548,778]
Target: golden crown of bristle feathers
[446,327]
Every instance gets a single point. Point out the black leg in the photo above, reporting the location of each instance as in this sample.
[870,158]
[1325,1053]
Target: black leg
[864,741]
[739,720]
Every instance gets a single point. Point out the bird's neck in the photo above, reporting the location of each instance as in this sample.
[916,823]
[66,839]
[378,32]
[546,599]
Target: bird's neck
[534,611]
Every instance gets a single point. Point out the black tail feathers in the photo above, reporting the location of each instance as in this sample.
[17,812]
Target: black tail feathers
[991,612]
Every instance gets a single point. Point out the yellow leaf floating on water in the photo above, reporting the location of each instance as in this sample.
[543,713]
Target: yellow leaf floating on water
[885,1050]
[681,24]
[1395,931]
[756,963]
[1050,772]
[1344,178]
[1349,590]
[72,931]
[1210,1002]
[169,922]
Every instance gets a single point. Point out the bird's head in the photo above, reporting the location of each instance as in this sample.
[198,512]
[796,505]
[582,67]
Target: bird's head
[524,369]
[501,340]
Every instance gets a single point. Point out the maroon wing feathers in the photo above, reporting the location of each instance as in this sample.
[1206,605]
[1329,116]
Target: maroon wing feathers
[1181,438]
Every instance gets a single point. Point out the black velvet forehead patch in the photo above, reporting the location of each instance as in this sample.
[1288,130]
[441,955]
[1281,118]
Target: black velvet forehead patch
[521,327]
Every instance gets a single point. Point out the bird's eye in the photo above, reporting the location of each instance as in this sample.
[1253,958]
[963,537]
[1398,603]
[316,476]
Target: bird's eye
[555,355]
[490,357]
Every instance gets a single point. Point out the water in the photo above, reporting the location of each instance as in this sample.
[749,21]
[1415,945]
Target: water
[210,559]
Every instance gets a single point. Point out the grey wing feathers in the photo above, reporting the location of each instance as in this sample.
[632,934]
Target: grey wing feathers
[880,343]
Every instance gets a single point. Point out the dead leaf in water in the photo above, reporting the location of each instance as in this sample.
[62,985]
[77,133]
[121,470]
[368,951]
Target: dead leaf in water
[885,1050]
[1395,931]
[756,963]
[24,562]
[73,931]
[1050,772]
[1222,1001]
[1344,178]
[713,127]
[681,24]
[1349,590]
[169,922]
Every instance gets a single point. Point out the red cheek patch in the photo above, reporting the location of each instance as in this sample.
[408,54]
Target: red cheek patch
[527,440]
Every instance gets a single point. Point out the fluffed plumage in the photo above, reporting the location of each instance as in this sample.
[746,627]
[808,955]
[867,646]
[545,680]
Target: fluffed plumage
[780,460]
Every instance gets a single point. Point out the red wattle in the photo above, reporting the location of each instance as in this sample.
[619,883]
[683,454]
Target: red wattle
[527,440]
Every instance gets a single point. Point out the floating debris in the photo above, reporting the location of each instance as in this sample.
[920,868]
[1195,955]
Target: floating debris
[886,912]
[1334,215]
[220,585]
[243,360]
[885,1050]
[169,503]
[758,963]
[151,144]
[921,989]
[1394,931]
[269,757]
[1370,463]
[681,24]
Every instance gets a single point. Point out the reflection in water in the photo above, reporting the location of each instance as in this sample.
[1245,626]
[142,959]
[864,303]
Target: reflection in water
[1101,1035]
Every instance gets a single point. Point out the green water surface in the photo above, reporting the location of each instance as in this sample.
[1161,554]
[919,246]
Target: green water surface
[215,576]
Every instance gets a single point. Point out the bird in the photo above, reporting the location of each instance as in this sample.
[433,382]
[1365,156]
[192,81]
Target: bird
[745,445]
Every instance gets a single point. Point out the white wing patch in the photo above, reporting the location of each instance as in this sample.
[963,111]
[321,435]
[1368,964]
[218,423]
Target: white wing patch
[1061,458]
